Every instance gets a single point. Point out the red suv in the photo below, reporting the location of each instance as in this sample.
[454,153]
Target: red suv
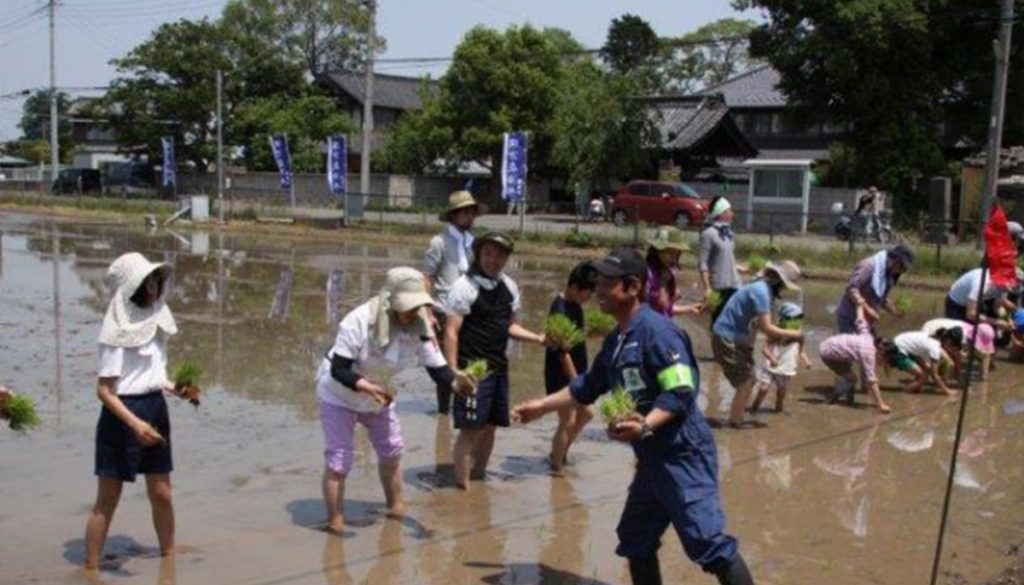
[658,202]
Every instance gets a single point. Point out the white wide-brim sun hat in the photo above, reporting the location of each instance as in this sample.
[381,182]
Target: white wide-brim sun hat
[125,323]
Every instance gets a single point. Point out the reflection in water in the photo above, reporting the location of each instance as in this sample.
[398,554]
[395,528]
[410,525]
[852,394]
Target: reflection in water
[57,319]
[851,465]
[775,471]
[335,293]
[384,570]
[567,542]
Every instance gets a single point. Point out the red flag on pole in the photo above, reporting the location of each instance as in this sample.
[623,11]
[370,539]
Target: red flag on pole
[999,250]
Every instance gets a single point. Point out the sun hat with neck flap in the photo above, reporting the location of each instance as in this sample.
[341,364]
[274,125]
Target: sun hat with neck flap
[126,324]
[404,290]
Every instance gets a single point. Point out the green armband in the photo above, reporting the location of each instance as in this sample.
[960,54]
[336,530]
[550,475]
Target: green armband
[676,376]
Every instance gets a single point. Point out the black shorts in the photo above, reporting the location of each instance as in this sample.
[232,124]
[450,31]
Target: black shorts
[119,455]
[488,407]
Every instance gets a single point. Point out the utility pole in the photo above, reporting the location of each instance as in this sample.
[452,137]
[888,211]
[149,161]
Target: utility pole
[54,139]
[995,128]
[220,146]
[364,160]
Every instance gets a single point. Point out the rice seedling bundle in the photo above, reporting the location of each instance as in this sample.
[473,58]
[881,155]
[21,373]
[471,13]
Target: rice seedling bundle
[477,369]
[617,405]
[20,412]
[597,322]
[756,263]
[562,331]
[186,380]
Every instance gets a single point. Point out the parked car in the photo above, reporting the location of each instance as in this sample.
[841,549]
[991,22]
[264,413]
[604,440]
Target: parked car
[132,178]
[658,202]
[76,181]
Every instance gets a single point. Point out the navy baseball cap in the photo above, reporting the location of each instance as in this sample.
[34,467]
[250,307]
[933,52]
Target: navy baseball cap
[622,262]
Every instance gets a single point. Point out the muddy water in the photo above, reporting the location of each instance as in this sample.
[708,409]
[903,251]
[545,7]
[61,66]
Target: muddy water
[821,494]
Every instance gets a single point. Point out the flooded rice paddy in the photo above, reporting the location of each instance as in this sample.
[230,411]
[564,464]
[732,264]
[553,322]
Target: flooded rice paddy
[821,494]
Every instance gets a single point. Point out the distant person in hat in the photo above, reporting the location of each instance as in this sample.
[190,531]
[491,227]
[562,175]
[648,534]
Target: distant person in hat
[133,435]
[663,287]
[482,315]
[378,339]
[676,478]
[747,312]
[716,260]
[870,286]
[448,257]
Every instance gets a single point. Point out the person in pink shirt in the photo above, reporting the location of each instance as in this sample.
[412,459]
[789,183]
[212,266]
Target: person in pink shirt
[841,352]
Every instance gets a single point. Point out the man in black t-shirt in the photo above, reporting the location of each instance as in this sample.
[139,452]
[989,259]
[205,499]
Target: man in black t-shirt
[561,365]
[481,312]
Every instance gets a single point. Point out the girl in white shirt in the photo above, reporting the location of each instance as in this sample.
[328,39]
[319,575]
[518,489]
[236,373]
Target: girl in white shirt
[133,435]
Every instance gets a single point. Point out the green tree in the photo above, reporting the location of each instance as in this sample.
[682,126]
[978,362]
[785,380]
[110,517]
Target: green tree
[903,78]
[321,35]
[307,121]
[33,150]
[631,44]
[35,121]
[709,55]
[599,127]
[167,87]
[497,82]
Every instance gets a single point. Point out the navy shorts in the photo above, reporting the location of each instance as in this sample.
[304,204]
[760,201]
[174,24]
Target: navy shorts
[119,455]
[488,407]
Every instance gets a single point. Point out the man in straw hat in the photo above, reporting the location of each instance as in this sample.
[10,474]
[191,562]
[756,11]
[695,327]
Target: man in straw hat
[482,310]
[133,435]
[676,480]
[449,256]
[746,312]
[378,339]
[716,261]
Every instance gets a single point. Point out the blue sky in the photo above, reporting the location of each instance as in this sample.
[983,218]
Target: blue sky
[92,32]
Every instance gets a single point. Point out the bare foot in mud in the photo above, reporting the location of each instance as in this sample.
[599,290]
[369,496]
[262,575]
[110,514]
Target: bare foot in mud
[335,526]
[395,512]
[884,408]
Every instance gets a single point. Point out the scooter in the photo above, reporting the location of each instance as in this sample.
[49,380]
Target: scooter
[865,227]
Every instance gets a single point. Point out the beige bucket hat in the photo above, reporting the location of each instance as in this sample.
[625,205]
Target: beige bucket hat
[789,272]
[456,201]
[126,324]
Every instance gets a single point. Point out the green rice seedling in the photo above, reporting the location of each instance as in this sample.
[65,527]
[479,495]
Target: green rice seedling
[617,405]
[562,331]
[598,323]
[20,412]
[714,300]
[186,381]
[756,263]
[477,369]
[945,365]
[903,303]
[792,324]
